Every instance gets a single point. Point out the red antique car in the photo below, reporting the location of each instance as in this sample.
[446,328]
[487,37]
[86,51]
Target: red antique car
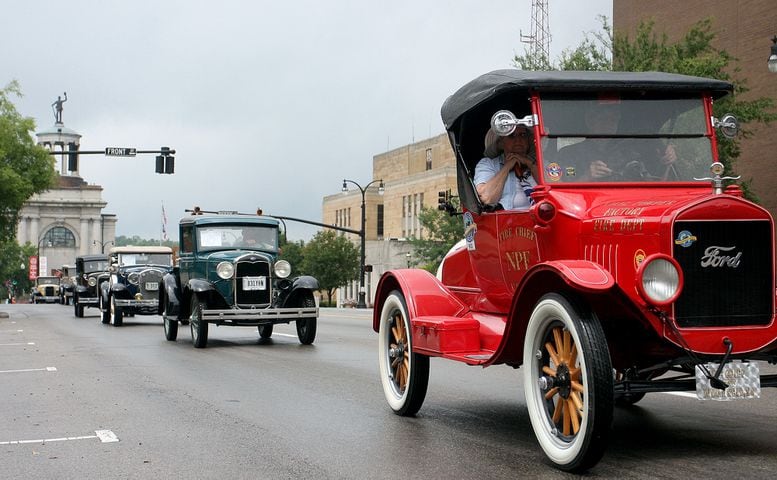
[653,277]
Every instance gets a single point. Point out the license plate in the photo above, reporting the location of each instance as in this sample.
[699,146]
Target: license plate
[743,379]
[254,283]
[152,286]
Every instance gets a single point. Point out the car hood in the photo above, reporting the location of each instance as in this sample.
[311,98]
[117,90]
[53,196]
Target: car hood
[140,268]
[232,255]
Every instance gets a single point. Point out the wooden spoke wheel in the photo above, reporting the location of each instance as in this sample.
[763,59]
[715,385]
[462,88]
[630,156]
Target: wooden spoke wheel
[404,374]
[568,383]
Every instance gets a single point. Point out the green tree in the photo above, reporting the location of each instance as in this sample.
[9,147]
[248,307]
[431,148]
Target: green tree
[443,231]
[294,253]
[694,54]
[14,280]
[25,168]
[332,259]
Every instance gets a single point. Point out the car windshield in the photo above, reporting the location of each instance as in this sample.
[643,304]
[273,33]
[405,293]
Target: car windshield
[636,136]
[130,259]
[95,266]
[258,237]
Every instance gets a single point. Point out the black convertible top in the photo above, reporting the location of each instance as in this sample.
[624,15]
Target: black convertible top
[499,82]
[467,113]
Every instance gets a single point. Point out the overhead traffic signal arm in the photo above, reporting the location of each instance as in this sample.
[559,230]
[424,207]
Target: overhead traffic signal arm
[165,161]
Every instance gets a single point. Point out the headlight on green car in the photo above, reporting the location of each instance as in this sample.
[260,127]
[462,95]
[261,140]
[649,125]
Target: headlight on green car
[225,270]
[282,269]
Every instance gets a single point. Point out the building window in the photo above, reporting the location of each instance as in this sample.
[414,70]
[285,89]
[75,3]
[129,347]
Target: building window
[59,237]
[380,221]
[411,214]
[428,158]
[343,217]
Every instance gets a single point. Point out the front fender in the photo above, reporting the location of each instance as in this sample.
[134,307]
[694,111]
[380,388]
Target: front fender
[119,290]
[199,286]
[424,295]
[305,281]
[170,297]
[104,291]
[579,277]
[300,285]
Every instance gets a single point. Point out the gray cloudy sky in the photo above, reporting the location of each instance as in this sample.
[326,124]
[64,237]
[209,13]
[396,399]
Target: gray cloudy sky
[268,104]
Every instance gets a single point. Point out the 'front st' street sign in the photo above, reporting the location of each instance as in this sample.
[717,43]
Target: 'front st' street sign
[120,151]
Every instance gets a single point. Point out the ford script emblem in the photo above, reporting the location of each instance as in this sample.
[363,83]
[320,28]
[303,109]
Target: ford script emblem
[685,239]
[713,257]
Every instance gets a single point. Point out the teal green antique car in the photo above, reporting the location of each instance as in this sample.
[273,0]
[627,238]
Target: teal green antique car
[228,273]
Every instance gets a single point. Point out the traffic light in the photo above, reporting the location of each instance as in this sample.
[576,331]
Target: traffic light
[72,157]
[165,163]
[442,199]
[444,202]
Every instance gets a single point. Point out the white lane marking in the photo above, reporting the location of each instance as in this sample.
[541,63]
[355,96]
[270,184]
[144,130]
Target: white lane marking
[682,394]
[105,436]
[11,331]
[47,369]
[15,344]
[286,335]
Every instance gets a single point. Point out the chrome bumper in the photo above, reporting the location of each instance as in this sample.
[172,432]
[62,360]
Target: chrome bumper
[47,299]
[136,303]
[258,316]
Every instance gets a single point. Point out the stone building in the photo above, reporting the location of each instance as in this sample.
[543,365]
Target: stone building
[412,176]
[743,28]
[67,220]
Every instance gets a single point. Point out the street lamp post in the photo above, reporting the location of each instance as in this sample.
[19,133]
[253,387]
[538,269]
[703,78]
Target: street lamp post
[102,244]
[362,233]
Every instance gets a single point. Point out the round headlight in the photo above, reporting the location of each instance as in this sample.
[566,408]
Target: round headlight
[225,270]
[92,281]
[282,269]
[133,278]
[659,279]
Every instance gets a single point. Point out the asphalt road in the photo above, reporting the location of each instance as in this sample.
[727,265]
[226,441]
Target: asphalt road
[245,409]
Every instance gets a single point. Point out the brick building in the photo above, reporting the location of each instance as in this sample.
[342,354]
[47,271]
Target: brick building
[412,176]
[744,29]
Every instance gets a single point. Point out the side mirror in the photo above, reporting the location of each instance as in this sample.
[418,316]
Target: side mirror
[504,122]
[728,125]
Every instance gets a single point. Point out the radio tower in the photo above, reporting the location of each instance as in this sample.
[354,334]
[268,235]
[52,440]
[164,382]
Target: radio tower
[539,36]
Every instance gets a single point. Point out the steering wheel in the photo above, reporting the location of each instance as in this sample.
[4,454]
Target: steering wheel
[633,171]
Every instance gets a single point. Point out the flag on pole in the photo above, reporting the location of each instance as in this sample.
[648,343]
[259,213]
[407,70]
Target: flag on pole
[164,223]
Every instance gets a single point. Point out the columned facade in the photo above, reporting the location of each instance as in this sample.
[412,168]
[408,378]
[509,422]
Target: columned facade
[67,220]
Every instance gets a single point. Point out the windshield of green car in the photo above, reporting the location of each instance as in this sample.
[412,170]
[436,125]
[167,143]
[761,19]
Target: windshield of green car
[95,266]
[624,137]
[250,237]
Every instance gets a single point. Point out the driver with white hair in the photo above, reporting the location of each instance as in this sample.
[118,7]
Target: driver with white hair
[505,176]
